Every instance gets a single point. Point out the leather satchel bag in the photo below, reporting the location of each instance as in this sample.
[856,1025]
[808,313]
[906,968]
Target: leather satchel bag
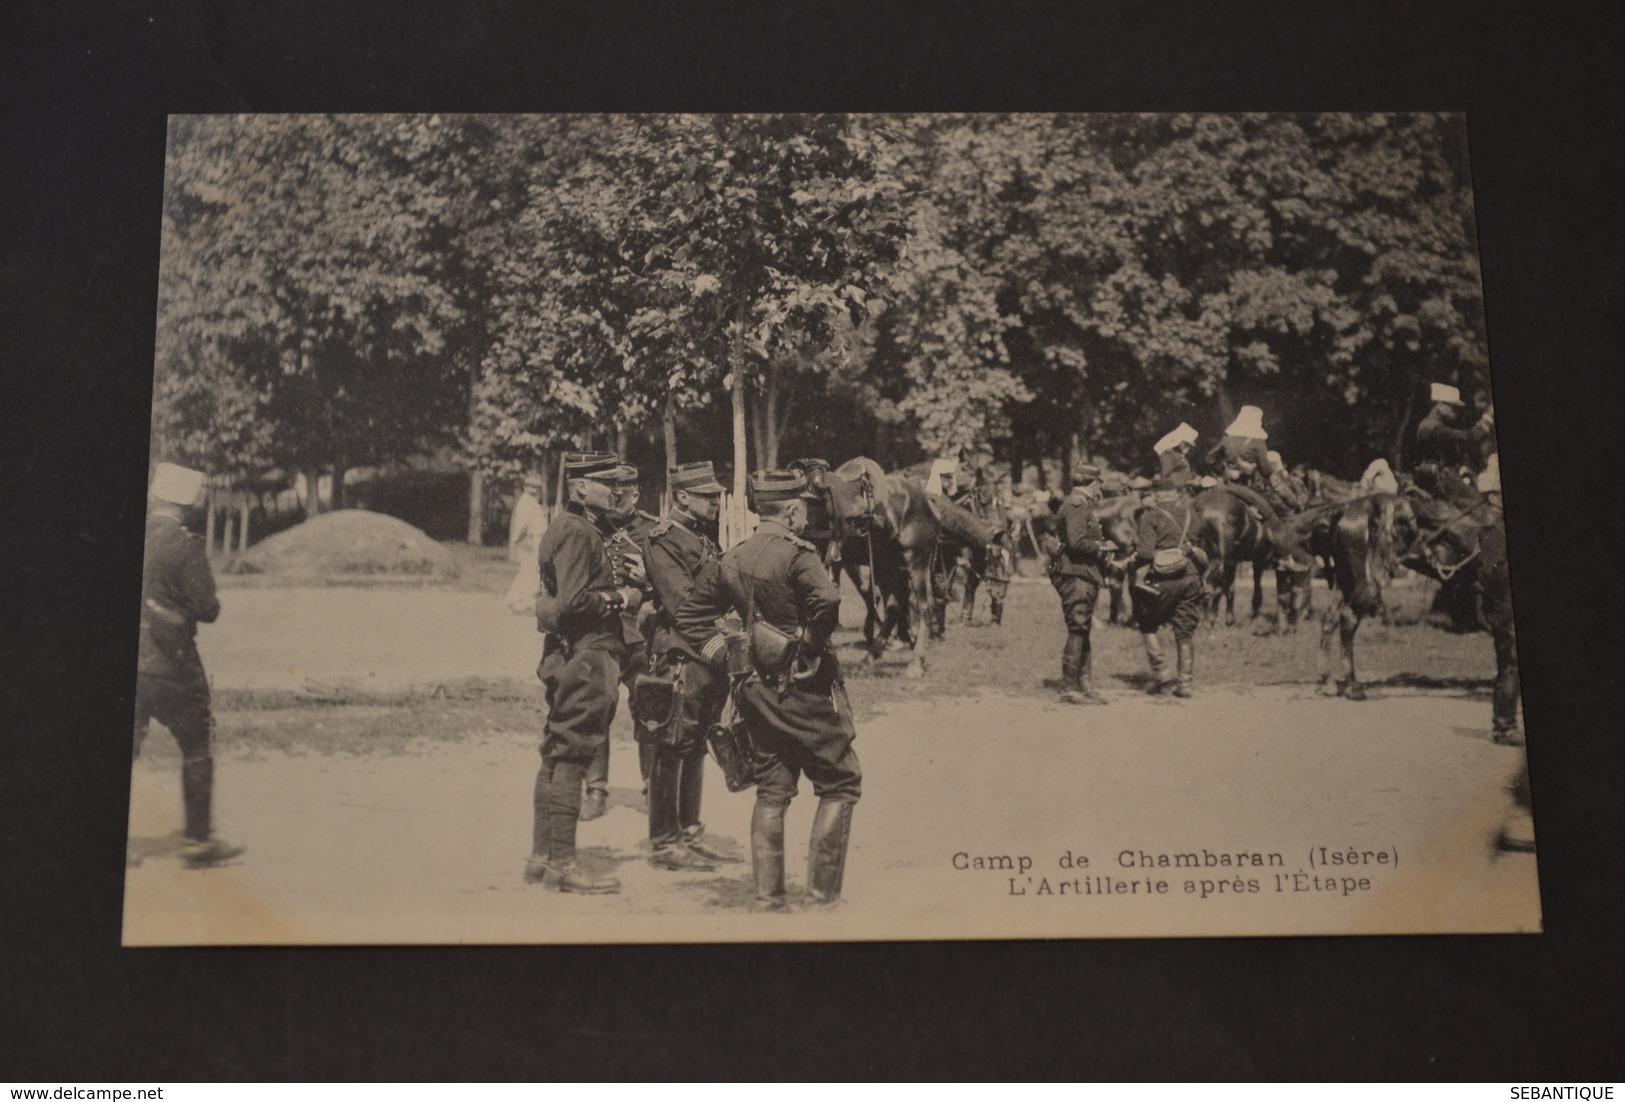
[730,744]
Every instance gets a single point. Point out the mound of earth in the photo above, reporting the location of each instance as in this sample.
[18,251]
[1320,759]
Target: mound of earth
[350,543]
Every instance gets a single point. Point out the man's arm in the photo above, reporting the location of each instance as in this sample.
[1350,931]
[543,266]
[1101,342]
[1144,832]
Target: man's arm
[696,618]
[575,558]
[195,585]
[817,600]
[668,575]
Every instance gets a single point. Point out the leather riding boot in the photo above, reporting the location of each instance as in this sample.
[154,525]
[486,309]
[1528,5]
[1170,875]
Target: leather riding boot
[564,810]
[197,795]
[690,787]
[564,800]
[1187,667]
[1090,696]
[663,775]
[826,852]
[996,608]
[541,827]
[767,858]
[694,838]
[1072,668]
[1159,664]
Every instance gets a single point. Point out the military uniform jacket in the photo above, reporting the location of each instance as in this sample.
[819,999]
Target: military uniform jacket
[1162,527]
[1173,461]
[773,576]
[630,536]
[675,555]
[576,569]
[1245,449]
[1078,530]
[177,593]
[1438,441]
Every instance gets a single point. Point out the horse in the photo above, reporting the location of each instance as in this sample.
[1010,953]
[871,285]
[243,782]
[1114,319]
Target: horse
[1235,525]
[888,524]
[983,504]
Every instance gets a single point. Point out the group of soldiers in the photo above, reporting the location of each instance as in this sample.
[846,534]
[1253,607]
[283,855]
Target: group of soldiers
[654,603]
[626,598]
[1455,461]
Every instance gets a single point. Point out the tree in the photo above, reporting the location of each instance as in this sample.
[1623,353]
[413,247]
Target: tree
[663,260]
[301,259]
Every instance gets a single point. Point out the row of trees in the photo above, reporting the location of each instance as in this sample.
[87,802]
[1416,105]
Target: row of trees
[342,291]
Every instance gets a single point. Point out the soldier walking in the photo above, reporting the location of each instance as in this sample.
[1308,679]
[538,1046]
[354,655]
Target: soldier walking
[177,594]
[676,551]
[579,609]
[792,701]
[1076,569]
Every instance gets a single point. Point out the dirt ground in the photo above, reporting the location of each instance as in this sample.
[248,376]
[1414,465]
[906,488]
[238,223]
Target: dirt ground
[376,747]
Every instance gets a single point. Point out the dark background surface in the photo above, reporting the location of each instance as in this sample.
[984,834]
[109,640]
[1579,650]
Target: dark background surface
[84,90]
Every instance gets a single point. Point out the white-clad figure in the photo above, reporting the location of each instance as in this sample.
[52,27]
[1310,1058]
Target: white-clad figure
[525,530]
[1379,478]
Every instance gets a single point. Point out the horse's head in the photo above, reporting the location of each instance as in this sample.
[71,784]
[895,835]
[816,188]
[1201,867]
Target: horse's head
[821,522]
[852,492]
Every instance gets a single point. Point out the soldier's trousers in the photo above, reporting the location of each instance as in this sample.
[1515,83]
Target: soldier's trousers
[635,662]
[582,687]
[801,732]
[1078,597]
[183,708]
[677,768]
[1506,677]
[1177,601]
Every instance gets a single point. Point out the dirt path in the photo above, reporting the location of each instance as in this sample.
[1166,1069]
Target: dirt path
[427,845]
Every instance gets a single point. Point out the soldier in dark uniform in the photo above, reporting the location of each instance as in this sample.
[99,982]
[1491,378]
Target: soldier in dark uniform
[676,551]
[1244,458]
[630,525]
[1173,451]
[1445,451]
[794,704]
[1170,588]
[583,595]
[1077,559]
[177,594]
[1495,598]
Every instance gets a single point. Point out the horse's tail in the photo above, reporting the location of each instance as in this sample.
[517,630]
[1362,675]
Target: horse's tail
[1365,552]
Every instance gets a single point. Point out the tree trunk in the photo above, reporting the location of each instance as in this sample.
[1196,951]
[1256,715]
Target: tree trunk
[476,509]
[1396,458]
[335,496]
[242,529]
[620,442]
[1017,462]
[208,517]
[313,494]
[668,433]
[737,368]
[228,535]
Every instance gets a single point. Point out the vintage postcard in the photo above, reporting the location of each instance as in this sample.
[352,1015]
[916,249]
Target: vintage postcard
[691,528]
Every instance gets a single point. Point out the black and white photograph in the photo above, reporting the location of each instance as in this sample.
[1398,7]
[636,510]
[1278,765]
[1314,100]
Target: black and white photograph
[647,528]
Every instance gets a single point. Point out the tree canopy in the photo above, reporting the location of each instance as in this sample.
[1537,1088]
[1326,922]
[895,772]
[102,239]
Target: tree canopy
[342,290]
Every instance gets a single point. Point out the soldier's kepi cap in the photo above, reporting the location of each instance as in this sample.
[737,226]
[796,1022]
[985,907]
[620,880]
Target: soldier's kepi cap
[696,478]
[1085,473]
[599,466]
[779,486]
[176,484]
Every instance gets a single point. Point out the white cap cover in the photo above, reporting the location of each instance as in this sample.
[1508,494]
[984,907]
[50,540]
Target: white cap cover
[1184,434]
[176,484]
[1489,479]
[1249,423]
[1444,392]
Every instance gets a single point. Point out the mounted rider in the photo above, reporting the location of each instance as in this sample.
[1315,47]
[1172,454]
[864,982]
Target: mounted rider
[1244,458]
[1173,451]
[1447,452]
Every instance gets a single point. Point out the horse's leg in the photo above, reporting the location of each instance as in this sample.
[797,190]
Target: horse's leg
[870,620]
[1328,624]
[976,563]
[1258,588]
[919,607]
[1228,580]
